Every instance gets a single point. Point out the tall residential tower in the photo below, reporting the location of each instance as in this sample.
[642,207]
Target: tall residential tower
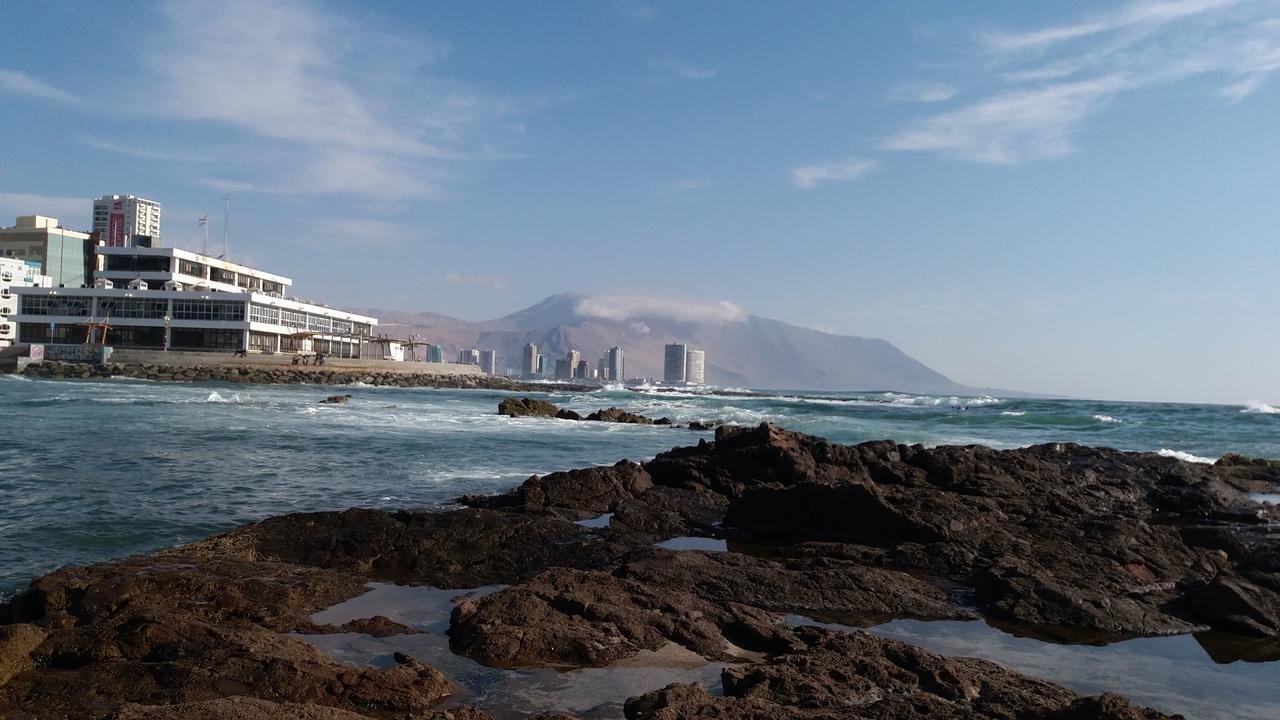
[119,218]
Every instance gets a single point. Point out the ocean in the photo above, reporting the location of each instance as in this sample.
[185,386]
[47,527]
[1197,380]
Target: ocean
[92,470]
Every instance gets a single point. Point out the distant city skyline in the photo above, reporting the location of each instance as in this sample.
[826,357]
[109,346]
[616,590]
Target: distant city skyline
[1073,199]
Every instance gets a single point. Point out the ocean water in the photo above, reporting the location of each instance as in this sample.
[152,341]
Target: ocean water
[92,470]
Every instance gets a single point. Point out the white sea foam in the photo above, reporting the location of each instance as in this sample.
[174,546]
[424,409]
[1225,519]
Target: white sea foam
[1014,413]
[1186,456]
[1107,419]
[217,397]
[1260,408]
[952,400]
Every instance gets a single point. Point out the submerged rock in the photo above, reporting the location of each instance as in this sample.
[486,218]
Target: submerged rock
[526,407]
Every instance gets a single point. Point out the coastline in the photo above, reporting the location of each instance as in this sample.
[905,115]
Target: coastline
[287,375]
[1060,538]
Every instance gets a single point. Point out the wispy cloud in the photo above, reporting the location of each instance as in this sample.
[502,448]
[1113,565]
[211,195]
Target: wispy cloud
[688,71]
[923,92]
[361,232]
[343,107]
[139,152]
[622,307]
[808,176]
[635,10]
[1048,82]
[493,282]
[685,185]
[12,81]
[71,212]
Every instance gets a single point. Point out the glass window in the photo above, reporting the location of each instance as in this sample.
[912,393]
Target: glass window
[264,314]
[318,323]
[297,320]
[77,306]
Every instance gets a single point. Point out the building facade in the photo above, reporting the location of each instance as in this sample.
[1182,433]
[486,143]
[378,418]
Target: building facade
[694,367]
[117,219]
[468,357]
[16,273]
[489,362]
[615,366]
[66,256]
[674,359]
[529,360]
[171,299]
[435,353]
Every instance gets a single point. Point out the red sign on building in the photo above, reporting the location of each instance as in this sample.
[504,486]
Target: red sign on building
[115,231]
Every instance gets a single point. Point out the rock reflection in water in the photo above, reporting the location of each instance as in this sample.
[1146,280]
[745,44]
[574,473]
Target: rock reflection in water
[1273,498]
[1177,674]
[589,693]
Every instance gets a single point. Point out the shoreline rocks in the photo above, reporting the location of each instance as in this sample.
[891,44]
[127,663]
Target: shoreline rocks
[1052,538]
[284,375]
[532,407]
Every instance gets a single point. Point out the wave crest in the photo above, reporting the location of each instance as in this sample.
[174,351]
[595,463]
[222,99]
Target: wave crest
[1186,456]
[1260,408]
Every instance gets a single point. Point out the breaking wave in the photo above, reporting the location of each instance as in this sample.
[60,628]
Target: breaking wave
[1260,408]
[1186,456]
[1107,419]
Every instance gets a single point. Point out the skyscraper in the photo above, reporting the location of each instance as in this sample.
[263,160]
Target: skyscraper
[583,370]
[529,360]
[118,218]
[674,362]
[615,365]
[435,354]
[489,362]
[694,364]
[572,358]
[468,357]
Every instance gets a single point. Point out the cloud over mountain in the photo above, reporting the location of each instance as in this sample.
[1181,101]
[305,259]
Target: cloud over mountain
[629,307]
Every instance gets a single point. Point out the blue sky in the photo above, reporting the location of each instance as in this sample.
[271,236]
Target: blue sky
[1080,198]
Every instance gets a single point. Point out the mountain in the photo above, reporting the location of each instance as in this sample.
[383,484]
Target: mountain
[744,351]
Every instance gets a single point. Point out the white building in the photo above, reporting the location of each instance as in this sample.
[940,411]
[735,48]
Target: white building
[118,218]
[171,299]
[15,274]
[65,255]
[694,367]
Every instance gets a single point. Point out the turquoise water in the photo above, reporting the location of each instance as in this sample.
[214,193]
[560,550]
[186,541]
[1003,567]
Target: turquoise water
[91,470]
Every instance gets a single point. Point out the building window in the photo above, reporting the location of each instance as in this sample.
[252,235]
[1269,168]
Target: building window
[39,333]
[135,337]
[317,323]
[132,308]
[262,341]
[272,287]
[297,320]
[76,306]
[208,310]
[222,276]
[137,263]
[189,267]
[205,339]
[341,327]
[264,314]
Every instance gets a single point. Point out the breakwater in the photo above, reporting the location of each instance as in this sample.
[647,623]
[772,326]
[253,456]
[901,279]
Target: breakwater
[280,375]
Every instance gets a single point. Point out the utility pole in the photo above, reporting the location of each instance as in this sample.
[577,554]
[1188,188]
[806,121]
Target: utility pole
[203,221]
[226,223]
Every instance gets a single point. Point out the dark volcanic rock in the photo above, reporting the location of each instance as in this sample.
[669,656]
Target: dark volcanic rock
[526,407]
[180,629]
[460,549]
[825,676]
[579,618]
[822,586]
[618,415]
[335,400]
[597,489]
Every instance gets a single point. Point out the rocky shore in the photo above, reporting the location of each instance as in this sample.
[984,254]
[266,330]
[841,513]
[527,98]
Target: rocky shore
[1060,540]
[284,375]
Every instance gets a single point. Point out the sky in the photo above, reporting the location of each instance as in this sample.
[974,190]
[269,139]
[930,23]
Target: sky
[1076,198]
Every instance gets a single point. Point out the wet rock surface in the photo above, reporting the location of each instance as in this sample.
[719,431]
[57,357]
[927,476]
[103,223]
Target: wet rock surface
[1061,538]
[532,407]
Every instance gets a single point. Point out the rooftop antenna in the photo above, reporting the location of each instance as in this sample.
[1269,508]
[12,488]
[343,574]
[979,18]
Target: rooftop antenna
[203,221]
[226,223]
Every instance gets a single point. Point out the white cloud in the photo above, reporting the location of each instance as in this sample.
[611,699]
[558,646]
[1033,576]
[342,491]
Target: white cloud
[808,176]
[336,105]
[493,282]
[1012,127]
[637,307]
[1143,15]
[140,152]
[685,185]
[361,232]
[20,83]
[923,92]
[686,70]
[636,11]
[72,212]
[1049,82]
